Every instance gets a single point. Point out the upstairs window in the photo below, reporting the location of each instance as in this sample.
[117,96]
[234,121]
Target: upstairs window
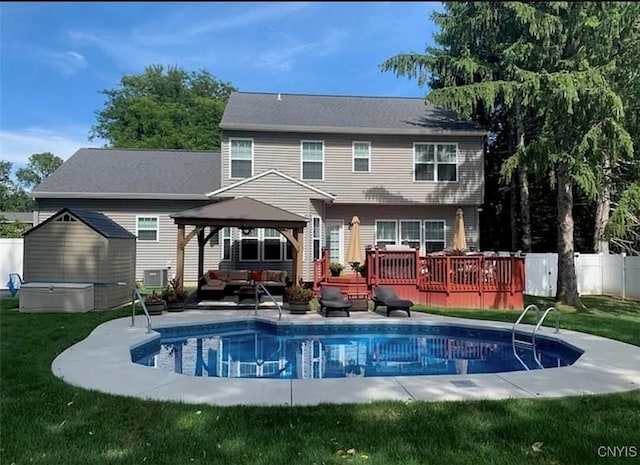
[241,158]
[312,160]
[316,237]
[147,228]
[361,156]
[435,162]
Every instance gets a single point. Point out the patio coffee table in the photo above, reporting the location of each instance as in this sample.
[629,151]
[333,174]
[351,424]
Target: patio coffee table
[249,292]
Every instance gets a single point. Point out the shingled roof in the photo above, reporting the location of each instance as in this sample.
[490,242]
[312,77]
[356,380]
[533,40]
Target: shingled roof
[133,174]
[340,114]
[95,220]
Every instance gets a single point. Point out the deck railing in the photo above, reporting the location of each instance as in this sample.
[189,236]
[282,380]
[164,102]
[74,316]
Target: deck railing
[321,268]
[444,273]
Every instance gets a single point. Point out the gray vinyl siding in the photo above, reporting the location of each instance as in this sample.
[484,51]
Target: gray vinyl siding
[149,255]
[279,192]
[390,179]
[121,269]
[369,214]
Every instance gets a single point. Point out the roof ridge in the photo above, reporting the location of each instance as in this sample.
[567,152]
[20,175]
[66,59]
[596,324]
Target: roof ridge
[332,95]
[135,149]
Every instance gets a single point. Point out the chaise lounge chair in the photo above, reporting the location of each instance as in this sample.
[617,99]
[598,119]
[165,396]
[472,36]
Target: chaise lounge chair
[386,297]
[331,300]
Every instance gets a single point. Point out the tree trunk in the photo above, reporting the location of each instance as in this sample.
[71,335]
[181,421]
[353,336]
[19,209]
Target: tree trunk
[603,207]
[525,218]
[567,286]
[513,212]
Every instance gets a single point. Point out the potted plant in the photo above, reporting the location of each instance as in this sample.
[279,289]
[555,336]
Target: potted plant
[154,303]
[174,296]
[298,298]
[336,268]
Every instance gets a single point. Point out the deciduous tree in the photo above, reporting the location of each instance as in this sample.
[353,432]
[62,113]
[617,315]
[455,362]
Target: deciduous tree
[176,109]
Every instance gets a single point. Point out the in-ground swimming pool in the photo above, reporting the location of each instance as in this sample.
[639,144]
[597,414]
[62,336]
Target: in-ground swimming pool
[259,349]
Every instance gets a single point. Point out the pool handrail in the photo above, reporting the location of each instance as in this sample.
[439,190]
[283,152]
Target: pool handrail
[136,294]
[535,330]
[519,341]
[259,286]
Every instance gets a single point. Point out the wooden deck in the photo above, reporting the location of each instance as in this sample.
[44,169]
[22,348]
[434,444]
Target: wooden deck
[463,281]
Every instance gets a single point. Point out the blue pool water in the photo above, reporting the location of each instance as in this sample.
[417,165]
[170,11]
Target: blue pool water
[257,349]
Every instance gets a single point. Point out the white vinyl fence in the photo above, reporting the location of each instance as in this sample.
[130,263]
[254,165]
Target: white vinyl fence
[11,251]
[597,274]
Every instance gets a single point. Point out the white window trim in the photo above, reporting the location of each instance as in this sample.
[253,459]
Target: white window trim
[302,142]
[424,233]
[353,156]
[435,161]
[157,218]
[253,145]
[256,237]
[313,238]
[224,237]
[375,232]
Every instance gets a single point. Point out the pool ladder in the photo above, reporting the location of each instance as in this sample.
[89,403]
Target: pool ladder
[259,286]
[515,341]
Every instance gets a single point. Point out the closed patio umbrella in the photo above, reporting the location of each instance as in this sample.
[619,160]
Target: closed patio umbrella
[459,237]
[354,252]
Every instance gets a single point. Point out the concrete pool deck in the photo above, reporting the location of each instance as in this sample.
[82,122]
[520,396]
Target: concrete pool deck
[102,362]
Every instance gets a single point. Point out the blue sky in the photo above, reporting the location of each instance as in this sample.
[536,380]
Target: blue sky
[56,57]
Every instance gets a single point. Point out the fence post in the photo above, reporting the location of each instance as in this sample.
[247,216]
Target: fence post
[623,258]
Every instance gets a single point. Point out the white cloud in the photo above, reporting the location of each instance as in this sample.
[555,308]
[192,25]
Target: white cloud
[68,62]
[283,58]
[17,145]
[189,36]
[170,33]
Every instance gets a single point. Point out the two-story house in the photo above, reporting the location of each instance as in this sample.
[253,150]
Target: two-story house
[401,165]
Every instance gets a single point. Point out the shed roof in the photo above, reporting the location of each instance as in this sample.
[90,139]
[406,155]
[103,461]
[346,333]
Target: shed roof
[100,223]
[253,111]
[133,174]
[240,212]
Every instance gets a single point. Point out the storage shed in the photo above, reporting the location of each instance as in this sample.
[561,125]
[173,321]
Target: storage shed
[77,247]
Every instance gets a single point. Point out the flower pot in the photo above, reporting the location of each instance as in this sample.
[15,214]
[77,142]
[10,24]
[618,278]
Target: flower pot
[155,308]
[175,306]
[298,307]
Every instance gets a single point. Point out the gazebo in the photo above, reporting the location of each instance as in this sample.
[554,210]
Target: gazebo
[244,213]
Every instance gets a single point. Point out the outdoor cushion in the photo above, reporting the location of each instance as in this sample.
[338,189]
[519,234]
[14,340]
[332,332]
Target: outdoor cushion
[215,284]
[238,275]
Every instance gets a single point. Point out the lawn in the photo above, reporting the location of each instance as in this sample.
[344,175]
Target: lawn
[45,421]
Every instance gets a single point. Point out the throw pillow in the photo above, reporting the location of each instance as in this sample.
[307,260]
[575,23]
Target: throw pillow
[256,275]
[213,275]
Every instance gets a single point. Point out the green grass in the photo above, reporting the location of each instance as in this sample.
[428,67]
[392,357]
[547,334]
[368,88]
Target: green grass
[45,421]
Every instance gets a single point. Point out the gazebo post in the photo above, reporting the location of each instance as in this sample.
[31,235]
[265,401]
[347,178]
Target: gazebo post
[180,257]
[201,243]
[298,255]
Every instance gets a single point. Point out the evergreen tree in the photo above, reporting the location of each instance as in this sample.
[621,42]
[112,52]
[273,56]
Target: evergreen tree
[547,62]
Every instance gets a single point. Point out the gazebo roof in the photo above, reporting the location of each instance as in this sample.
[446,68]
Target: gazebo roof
[240,212]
